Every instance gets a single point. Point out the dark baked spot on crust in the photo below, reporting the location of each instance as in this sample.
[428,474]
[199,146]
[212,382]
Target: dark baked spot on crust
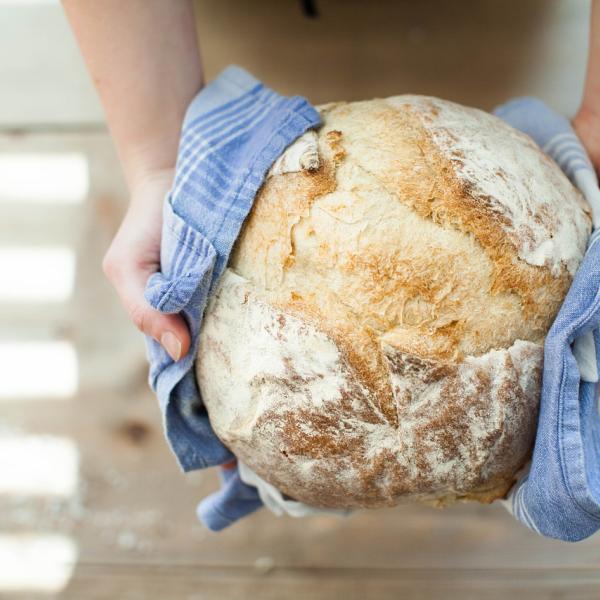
[423,370]
[313,435]
[334,138]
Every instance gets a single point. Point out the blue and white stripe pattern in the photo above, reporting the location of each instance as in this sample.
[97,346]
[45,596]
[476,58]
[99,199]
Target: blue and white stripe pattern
[565,148]
[559,497]
[233,132]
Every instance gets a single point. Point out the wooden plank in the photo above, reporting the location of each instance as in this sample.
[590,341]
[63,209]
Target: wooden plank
[478,53]
[133,504]
[475,52]
[106,581]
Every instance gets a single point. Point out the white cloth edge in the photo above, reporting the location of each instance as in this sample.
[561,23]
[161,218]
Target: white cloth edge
[273,499]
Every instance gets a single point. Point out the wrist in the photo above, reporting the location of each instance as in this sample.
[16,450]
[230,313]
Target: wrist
[149,159]
[150,182]
[587,116]
[586,124]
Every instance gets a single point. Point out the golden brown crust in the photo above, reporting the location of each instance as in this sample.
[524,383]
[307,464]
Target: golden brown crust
[417,280]
[457,204]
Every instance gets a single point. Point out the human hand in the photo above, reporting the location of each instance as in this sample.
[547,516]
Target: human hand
[587,126]
[134,255]
[145,86]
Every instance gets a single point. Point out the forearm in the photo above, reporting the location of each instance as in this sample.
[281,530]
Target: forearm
[591,95]
[587,120]
[144,60]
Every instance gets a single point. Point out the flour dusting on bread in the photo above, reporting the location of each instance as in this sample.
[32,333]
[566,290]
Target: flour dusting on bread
[506,167]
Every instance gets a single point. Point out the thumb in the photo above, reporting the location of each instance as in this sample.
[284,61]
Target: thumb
[171,331]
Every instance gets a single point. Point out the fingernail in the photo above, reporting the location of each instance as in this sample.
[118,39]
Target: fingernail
[171,344]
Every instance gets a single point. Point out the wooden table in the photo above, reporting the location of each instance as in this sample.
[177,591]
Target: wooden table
[126,524]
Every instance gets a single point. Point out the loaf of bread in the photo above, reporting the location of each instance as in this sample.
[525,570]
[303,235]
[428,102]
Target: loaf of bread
[378,333]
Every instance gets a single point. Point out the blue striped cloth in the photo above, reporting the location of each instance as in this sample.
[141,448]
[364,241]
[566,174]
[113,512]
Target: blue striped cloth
[232,133]
[560,495]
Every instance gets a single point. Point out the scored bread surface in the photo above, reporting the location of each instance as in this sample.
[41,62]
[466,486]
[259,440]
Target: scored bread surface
[377,335]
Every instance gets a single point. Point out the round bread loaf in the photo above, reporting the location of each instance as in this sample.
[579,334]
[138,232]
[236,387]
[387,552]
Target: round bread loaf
[377,335]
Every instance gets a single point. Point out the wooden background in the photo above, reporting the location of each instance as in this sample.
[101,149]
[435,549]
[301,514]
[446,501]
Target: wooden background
[126,525]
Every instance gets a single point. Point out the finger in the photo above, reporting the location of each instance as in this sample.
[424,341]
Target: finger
[171,331]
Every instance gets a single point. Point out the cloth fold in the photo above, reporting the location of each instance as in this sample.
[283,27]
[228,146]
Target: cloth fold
[278,503]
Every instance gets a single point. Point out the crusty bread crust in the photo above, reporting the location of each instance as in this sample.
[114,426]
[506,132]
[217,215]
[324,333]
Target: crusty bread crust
[377,336]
